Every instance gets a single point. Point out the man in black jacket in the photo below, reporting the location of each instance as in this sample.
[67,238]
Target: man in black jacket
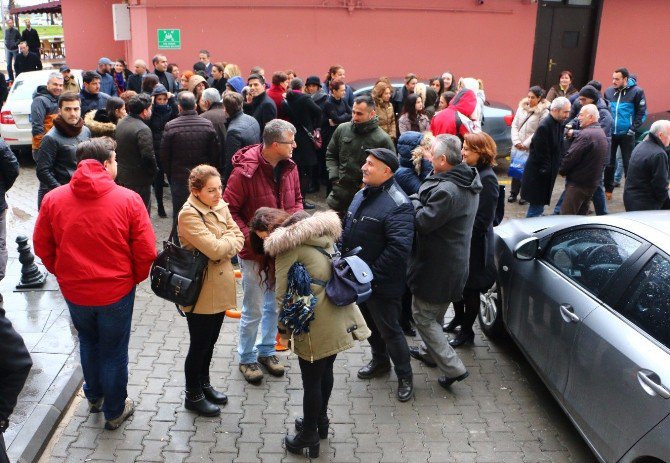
[12,39]
[646,185]
[243,130]
[160,69]
[9,171]
[259,104]
[15,364]
[584,162]
[134,82]
[544,158]
[26,60]
[31,37]
[188,141]
[135,149]
[380,219]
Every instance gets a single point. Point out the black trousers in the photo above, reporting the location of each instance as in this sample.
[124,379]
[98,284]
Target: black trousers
[626,143]
[158,188]
[3,451]
[516,187]
[382,317]
[204,332]
[317,384]
[467,308]
[406,318]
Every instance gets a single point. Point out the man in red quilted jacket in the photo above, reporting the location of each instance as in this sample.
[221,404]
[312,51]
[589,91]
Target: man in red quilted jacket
[263,175]
[96,238]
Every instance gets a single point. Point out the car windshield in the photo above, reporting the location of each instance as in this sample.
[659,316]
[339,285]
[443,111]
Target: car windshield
[23,90]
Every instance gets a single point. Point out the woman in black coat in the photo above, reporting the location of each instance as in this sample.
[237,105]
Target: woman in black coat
[479,151]
[301,110]
[336,111]
[163,111]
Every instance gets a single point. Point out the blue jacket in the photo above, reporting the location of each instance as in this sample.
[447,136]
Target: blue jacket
[381,221]
[107,84]
[628,106]
[406,176]
[92,102]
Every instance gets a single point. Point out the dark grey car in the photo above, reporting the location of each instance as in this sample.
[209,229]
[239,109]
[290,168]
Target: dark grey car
[587,299]
[496,122]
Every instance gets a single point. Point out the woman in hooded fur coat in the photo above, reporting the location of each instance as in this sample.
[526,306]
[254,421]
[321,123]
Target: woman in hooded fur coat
[304,239]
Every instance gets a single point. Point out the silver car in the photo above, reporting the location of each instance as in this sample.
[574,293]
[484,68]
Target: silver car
[587,299]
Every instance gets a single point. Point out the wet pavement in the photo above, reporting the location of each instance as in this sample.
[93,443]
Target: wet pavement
[502,412]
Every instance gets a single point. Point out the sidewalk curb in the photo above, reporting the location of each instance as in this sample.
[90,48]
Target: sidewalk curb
[44,418]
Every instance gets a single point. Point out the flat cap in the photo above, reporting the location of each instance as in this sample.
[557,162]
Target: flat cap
[386,156]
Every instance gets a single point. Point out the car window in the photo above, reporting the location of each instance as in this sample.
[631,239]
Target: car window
[648,299]
[590,256]
[23,90]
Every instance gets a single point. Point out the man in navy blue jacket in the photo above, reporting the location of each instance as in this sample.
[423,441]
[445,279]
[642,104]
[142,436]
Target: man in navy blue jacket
[380,219]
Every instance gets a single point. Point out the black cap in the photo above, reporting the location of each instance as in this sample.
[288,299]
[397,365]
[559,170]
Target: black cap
[590,92]
[313,80]
[64,68]
[386,156]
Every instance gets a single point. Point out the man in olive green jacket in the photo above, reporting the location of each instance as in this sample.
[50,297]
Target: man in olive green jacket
[346,152]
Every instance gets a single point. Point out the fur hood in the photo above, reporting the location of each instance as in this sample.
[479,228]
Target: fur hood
[99,129]
[321,224]
[539,108]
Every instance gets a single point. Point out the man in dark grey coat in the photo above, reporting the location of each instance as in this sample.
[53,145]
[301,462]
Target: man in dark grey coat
[583,164]
[135,149]
[12,39]
[445,205]
[243,130]
[646,187]
[212,107]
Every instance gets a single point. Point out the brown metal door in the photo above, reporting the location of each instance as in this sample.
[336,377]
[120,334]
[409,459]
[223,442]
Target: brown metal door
[564,40]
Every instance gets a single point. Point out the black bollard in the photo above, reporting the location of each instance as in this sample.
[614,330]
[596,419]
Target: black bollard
[31,275]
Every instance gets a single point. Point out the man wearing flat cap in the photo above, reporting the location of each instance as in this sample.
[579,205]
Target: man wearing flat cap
[106,80]
[380,219]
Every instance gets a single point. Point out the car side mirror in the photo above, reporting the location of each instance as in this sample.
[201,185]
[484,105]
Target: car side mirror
[527,249]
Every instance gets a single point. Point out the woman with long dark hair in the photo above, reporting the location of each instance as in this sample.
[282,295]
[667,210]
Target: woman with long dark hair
[479,151]
[205,224]
[412,117]
[301,246]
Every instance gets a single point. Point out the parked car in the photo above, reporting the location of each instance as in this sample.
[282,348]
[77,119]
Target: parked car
[497,119]
[587,300]
[15,123]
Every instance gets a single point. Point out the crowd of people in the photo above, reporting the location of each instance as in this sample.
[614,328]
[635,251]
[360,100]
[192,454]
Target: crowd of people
[409,180]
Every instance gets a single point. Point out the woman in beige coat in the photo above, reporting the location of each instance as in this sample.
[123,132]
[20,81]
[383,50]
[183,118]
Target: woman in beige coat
[304,239]
[205,224]
[532,110]
[381,94]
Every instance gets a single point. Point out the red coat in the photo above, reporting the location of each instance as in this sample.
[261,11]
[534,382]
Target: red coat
[95,236]
[276,94]
[445,121]
[252,185]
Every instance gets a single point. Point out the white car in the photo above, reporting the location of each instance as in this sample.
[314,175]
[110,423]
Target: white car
[15,123]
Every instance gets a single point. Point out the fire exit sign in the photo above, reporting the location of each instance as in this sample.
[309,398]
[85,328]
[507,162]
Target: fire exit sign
[169,39]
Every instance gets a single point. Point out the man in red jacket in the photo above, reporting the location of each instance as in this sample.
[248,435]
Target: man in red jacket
[263,175]
[97,239]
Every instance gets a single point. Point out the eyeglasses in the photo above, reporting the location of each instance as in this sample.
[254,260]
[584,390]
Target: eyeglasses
[291,142]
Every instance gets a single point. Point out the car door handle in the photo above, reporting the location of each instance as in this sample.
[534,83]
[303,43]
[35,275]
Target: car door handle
[568,313]
[653,382]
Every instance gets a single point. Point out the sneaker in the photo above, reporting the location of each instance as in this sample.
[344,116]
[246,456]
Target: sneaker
[275,368]
[95,406]
[128,410]
[251,372]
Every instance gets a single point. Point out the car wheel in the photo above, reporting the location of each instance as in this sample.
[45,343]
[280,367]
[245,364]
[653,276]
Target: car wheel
[490,313]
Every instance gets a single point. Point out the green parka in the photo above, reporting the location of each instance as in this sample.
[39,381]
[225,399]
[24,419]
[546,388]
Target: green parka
[346,155]
[334,329]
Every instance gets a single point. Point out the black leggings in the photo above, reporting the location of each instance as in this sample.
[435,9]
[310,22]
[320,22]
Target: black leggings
[317,383]
[158,188]
[204,332]
[466,309]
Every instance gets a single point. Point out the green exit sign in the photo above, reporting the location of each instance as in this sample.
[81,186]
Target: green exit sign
[169,39]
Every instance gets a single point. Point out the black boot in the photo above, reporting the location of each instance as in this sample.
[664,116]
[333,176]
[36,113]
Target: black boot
[305,439]
[451,326]
[212,394]
[196,401]
[321,424]
[462,337]
[161,210]
[405,389]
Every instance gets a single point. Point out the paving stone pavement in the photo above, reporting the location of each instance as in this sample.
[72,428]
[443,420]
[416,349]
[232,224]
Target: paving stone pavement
[501,413]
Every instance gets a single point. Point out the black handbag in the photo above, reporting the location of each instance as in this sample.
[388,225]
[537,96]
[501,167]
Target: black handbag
[177,274]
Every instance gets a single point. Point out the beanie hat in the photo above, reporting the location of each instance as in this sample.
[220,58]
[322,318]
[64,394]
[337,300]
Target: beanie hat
[237,83]
[159,90]
[590,92]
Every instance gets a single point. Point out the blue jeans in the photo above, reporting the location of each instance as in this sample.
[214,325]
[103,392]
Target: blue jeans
[258,307]
[10,56]
[535,210]
[104,332]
